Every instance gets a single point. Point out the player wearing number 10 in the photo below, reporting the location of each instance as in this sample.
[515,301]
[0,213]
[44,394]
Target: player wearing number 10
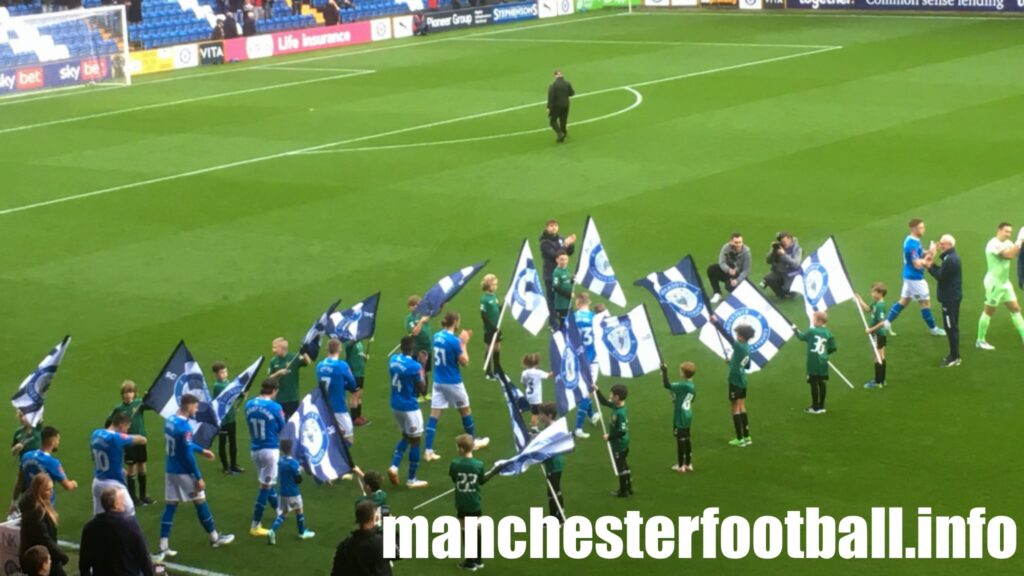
[107,446]
[265,418]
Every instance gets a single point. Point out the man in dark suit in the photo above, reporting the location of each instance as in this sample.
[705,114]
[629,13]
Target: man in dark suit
[950,286]
[558,105]
[112,542]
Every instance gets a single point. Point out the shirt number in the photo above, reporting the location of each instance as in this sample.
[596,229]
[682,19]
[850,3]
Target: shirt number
[465,482]
[259,429]
[102,460]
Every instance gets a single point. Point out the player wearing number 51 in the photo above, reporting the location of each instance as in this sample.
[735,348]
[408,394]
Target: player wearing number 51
[107,446]
[820,343]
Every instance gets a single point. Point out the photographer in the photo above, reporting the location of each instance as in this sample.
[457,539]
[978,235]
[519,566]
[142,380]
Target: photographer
[784,258]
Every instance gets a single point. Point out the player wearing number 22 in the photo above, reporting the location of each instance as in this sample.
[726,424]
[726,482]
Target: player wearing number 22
[820,343]
[107,445]
[468,475]
[265,418]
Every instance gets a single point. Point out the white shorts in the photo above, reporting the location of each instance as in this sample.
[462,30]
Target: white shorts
[448,394]
[266,464]
[915,290]
[344,420]
[409,423]
[289,504]
[100,486]
[181,488]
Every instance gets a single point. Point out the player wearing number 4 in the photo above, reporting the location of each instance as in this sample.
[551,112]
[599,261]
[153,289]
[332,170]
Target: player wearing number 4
[265,418]
[820,343]
[407,382]
[999,252]
[107,445]
[183,480]
[449,354]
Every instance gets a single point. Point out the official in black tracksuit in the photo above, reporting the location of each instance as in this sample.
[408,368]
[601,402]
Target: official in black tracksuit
[558,105]
[950,287]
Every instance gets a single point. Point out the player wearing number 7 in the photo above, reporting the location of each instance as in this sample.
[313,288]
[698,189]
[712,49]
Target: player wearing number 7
[107,445]
[820,343]
[265,418]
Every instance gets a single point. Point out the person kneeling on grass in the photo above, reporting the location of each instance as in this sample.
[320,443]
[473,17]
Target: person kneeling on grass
[289,476]
[820,343]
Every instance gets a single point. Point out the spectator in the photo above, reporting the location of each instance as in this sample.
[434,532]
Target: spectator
[235,5]
[732,268]
[347,5]
[268,9]
[112,542]
[296,7]
[784,258]
[249,26]
[550,245]
[39,522]
[27,438]
[218,30]
[419,24]
[222,7]
[331,13]
[362,553]
[36,561]
[230,26]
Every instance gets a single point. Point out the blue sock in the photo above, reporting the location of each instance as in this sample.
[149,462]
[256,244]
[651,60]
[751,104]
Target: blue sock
[468,426]
[431,430]
[590,407]
[926,313]
[894,312]
[205,516]
[581,412]
[399,452]
[277,523]
[272,499]
[167,520]
[261,504]
[414,461]
[301,519]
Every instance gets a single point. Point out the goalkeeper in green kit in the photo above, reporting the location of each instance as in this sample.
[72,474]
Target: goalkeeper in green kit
[820,343]
[999,252]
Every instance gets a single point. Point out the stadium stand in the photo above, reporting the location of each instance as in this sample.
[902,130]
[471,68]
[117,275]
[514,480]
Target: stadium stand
[23,43]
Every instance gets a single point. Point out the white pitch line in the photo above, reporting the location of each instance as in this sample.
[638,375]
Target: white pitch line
[647,43]
[173,566]
[638,99]
[341,52]
[178,102]
[307,69]
[810,13]
[260,159]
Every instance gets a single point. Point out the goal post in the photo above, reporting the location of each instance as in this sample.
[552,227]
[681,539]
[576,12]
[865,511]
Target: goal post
[60,50]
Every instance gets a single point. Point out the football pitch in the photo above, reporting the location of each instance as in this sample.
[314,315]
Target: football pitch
[229,206]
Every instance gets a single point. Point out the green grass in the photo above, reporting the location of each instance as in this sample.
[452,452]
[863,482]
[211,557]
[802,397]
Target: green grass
[912,117]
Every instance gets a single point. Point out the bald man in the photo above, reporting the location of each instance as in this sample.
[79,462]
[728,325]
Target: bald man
[950,288]
[558,105]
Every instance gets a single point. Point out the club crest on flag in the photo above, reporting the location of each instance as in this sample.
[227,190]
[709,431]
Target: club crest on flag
[189,383]
[620,341]
[599,264]
[570,372]
[526,289]
[815,283]
[314,437]
[348,323]
[683,297]
[754,319]
[37,385]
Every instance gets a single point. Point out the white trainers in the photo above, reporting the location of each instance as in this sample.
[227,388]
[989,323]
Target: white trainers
[306,535]
[982,345]
[414,484]
[676,467]
[393,475]
[937,331]
[481,443]
[223,540]
[716,298]
[595,418]
[581,434]
[430,456]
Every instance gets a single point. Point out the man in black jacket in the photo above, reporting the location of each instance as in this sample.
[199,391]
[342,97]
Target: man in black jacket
[112,542]
[550,245]
[558,105]
[362,553]
[950,287]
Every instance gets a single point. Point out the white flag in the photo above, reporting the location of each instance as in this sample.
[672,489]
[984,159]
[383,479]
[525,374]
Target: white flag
[625,345]
[593,269]
[745,305]
[525,297]
[823,280]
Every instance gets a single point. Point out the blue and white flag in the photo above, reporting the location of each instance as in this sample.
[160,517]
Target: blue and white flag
[593,270]
[569,363]
[32,393]
[823,280]
[357,323]
[516,403]
[446,289]
[680,291]
[311,343]
[316,440]
[551,441]
[745,305]
[525,297]
[625,345]
[182,375]
[225,401]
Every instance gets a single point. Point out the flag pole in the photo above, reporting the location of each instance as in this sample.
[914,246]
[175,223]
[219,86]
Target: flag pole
[494,339]
[871,337]
[840,374]
[604,430]
[434,499]
[554,495]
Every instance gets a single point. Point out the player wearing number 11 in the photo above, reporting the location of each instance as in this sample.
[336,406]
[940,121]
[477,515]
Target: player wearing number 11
[107,445]
[266,420]
[820,343]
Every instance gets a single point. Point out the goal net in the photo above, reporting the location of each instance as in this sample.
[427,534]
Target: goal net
[59,50]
